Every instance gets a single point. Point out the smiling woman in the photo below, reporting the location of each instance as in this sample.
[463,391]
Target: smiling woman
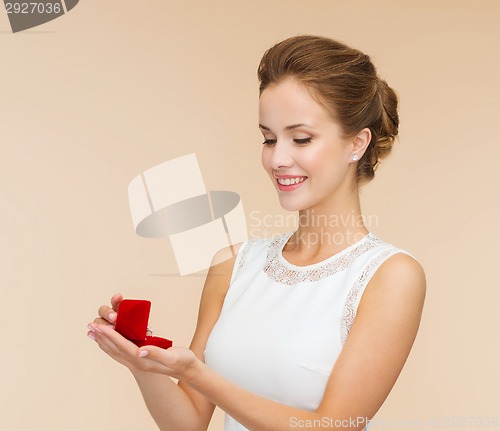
[308,159]
[297,330]
[344,82]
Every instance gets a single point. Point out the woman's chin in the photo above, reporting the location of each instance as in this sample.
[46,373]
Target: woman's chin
[291,204]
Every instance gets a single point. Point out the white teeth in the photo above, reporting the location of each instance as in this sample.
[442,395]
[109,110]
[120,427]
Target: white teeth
[289,181]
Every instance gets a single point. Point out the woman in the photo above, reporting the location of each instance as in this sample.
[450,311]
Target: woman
[309,329]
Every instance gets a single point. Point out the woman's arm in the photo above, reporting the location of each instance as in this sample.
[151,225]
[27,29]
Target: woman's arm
[378,345]
[174,407]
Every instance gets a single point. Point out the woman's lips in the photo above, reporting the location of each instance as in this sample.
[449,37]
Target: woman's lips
[290,179]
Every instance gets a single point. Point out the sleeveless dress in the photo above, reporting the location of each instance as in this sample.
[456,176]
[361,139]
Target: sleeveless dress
[282,326]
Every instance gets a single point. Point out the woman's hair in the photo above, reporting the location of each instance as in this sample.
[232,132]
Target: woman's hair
[345,82]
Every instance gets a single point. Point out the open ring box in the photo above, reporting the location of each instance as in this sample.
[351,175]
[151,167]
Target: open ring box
[132,322]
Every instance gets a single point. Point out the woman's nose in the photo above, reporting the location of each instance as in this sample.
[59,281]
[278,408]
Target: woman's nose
[281,156]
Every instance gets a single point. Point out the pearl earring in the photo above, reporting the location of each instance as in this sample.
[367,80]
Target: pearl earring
[355,157]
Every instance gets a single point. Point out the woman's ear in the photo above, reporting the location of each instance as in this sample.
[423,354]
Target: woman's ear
[361,141]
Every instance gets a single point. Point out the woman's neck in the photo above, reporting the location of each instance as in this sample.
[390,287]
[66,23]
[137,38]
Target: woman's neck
[329,228]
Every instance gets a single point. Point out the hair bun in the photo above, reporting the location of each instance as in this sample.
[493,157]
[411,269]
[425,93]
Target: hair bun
[385,129]
[390,117]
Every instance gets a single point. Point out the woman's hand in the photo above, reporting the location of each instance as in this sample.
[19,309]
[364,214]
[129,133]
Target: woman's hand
[178,362]
[107,315]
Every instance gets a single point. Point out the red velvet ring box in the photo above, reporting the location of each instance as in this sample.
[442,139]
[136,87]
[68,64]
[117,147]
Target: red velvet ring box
[132,322]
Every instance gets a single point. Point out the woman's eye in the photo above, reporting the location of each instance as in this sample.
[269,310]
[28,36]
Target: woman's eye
[269,142]
[302,141]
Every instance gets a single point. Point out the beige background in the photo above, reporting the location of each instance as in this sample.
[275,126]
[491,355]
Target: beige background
[115,87]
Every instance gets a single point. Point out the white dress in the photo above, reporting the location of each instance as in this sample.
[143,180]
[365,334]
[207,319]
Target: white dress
[282,327]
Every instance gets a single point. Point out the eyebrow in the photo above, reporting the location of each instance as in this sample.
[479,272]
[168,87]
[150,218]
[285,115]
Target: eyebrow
[291,127]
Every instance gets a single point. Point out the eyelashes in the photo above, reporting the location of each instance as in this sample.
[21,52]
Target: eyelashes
[269,142]
[297,141]
[302,141]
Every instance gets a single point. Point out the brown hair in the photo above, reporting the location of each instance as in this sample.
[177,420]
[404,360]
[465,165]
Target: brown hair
[345,82]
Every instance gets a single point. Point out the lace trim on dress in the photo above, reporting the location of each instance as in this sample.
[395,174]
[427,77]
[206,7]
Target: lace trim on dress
[286,273]
[350,303]
[244,253]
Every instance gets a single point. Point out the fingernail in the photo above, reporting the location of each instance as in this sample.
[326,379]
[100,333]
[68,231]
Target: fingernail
[143,353]
[93,327]
[112,316]
[91,335]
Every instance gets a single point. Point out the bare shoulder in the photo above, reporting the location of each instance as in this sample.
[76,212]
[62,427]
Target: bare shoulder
[223,261]
[221,270]
[399,278]
[402,264]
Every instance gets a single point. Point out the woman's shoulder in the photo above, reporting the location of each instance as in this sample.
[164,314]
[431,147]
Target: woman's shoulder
[395,266]
[381,246]
[389,261]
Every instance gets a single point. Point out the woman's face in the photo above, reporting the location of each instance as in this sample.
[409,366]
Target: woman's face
[304,154]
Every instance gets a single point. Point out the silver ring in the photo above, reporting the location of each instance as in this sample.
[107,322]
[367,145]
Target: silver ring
[150,330]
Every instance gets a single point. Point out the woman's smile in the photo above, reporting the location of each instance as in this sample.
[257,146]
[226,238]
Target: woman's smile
[288,183]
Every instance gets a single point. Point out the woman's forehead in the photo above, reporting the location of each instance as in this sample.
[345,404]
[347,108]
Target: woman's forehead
[291,103]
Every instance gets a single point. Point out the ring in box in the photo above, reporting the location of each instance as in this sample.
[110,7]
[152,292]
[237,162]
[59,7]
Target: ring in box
[132,322]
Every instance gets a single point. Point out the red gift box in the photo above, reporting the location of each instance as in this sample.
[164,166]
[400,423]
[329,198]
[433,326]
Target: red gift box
[132,322]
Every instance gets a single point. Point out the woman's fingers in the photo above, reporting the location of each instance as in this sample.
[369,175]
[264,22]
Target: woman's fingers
[115,301]
[107,314]
[167,357]
[113,344]
[174,361]
[116,340]
[102,321]
[153,360]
